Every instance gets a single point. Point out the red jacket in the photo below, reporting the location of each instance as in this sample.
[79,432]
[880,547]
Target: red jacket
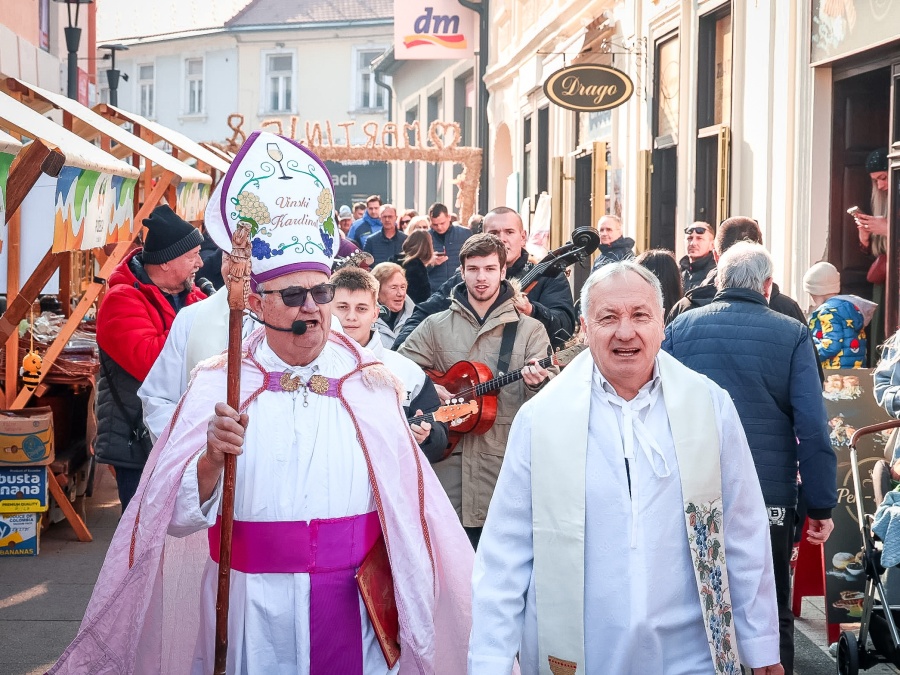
[133,320]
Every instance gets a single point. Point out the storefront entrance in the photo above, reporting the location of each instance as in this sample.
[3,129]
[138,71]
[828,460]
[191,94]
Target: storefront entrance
[863,89]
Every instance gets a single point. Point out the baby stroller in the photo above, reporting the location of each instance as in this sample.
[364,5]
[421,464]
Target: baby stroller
[876,622]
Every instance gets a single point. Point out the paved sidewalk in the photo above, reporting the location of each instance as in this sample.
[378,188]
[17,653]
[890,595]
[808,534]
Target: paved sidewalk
[42,599]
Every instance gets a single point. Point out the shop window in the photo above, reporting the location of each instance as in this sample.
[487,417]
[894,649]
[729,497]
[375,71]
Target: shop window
[433,174]
[526,157]
[147,90]
[713,117]
[193,76]
[279,78]
[543,151]
[664,159]
[464,107]
[410,190]
[369,96]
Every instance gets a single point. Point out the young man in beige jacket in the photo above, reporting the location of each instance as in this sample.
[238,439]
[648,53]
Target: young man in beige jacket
[473,330]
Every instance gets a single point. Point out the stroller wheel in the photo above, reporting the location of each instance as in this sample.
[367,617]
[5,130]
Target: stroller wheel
[848,654]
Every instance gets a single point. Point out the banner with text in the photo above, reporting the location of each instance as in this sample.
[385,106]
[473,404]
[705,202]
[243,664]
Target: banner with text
[433,29]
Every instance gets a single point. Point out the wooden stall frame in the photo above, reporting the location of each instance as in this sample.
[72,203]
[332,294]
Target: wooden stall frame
[31,162]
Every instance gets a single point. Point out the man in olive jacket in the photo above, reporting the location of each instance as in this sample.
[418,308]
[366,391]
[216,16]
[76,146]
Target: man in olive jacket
[472,330]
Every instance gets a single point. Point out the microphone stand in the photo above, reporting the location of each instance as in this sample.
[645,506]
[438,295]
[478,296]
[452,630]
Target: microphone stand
[238,283]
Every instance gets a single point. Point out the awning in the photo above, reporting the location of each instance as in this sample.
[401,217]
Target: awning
[162,133]
[91,200]
[89,125]
[194,186]
[8,144]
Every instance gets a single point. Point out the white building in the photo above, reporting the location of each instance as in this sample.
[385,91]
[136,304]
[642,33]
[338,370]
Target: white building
[276,65]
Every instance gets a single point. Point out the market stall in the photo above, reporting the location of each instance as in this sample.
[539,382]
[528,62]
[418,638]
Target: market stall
[114,206]
[62,194]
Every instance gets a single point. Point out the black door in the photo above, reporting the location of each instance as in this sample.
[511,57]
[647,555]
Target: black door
[860,125]
[583,168]
[664,198]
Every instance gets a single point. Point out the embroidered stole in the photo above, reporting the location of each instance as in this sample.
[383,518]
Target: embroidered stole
[559,440]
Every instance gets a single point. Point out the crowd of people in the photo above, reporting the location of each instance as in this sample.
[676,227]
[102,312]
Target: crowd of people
[632,512]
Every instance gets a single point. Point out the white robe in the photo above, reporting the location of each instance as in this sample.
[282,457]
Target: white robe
[641,611]
[299,463]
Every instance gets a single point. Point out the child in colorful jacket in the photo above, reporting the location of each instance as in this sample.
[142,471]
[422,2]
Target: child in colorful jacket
[838,323]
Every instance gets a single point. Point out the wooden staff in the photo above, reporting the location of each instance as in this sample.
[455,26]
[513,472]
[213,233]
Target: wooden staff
[238,290]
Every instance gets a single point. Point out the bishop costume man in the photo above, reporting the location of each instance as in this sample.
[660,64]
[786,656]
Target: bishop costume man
[627,533]
[326,467]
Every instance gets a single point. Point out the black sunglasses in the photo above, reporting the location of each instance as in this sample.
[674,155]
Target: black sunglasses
[405,222]
[698,230]
[295,296]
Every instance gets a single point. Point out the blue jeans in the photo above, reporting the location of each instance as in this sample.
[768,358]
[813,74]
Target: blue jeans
[127,481]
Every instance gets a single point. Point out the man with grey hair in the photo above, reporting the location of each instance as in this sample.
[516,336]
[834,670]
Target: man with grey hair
[613,245]
[764,361]
[625,482]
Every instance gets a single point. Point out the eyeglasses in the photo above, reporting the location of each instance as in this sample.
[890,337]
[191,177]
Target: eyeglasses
[295,296]
[698,230]
[405,222]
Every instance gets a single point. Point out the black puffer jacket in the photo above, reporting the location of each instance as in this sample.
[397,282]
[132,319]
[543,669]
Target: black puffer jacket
[122,438]
[694,273]
[621,249]
[551,300]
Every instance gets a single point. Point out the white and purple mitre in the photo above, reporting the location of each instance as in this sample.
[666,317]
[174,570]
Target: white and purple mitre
[284,192]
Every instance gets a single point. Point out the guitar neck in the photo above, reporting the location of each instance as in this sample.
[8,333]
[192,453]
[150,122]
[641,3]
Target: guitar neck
[508,378]
[418,419]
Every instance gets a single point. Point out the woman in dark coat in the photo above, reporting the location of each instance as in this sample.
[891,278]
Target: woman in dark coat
[662,263]
[418,252]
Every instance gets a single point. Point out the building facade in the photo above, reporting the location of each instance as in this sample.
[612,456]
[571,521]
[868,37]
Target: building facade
[272,65]
[761,109]
[33,46]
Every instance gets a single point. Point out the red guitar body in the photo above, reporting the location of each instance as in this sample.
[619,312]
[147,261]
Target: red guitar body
[464,375]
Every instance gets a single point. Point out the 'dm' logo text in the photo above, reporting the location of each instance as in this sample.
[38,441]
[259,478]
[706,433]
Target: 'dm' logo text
[436,29]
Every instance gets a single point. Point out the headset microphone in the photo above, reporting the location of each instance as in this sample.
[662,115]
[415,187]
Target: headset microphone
[297,328]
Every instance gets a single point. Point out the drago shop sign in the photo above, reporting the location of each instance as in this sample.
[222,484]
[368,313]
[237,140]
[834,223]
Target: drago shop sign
[588,87]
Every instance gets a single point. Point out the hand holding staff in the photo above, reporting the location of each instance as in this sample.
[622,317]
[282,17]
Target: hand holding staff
[238,289]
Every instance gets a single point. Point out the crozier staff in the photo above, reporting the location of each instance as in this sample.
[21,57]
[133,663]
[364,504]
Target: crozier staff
[644,549]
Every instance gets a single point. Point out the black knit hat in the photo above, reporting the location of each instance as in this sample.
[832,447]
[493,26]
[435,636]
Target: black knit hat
[877,161]
[168,236]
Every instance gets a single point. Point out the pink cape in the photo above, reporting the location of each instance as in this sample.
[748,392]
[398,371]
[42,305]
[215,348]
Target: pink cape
[143,616]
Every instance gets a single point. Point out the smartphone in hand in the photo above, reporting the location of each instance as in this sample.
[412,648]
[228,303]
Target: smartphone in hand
[853,211]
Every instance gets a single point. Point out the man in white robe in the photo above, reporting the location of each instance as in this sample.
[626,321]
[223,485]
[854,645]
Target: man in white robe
[634,582]
[327,468]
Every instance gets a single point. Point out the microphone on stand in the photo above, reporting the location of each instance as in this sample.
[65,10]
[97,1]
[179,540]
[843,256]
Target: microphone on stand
[297,328]
[206,286]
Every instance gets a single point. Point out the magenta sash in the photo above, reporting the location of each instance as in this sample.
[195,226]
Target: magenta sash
[330,551]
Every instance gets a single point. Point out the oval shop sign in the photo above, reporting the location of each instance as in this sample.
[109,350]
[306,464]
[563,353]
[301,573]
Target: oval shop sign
[588,87]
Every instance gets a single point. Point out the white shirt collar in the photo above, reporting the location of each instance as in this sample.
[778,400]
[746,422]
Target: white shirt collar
[269,360]
[650,389]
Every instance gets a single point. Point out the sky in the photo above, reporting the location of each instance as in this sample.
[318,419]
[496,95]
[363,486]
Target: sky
[120,19]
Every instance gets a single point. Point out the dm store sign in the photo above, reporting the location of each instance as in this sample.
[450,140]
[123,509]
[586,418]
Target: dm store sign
[433,29]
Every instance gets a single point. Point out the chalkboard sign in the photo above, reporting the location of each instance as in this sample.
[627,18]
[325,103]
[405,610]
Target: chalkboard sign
[850,404]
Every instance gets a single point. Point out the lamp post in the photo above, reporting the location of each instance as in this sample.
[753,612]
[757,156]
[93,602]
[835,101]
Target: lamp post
[112,75]
[73,38]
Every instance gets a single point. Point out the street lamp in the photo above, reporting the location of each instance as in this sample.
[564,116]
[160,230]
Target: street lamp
[112,75]
[73,38]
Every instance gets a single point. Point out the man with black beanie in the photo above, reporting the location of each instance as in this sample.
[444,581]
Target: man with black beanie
[145,292]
